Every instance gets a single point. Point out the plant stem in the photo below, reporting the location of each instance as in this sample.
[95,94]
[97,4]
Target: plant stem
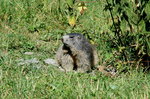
[116,30]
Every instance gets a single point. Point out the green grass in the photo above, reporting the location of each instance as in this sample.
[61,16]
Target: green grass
[27,81]
[36,26]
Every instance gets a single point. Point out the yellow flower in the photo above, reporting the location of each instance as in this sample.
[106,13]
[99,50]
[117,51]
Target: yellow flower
[72,20]
[81,8]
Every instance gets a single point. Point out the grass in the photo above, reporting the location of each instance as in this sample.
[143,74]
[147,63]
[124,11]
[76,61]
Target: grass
[27,81]
[36,27]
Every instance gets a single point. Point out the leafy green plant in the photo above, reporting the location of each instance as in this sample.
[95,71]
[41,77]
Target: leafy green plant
[70,10]
[130,25]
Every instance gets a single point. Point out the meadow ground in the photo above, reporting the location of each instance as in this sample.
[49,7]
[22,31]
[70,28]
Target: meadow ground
[46,81]
[29,26]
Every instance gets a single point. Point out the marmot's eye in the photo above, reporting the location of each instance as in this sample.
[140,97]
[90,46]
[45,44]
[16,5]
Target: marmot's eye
[71,37]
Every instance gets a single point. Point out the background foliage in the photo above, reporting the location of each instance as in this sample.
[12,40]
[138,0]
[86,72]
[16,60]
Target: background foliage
[119,29]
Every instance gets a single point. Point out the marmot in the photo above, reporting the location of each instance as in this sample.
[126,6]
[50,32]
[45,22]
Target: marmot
[76,53]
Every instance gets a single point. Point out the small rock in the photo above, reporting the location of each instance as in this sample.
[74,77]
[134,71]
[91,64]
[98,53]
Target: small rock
[29,61]
[51,61]
[28,53]
[34,60]
[113,86]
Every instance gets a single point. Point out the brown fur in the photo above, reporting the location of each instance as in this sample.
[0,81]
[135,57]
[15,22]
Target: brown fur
[76,53]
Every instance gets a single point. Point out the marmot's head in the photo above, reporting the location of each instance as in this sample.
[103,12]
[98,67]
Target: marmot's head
[74,40]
